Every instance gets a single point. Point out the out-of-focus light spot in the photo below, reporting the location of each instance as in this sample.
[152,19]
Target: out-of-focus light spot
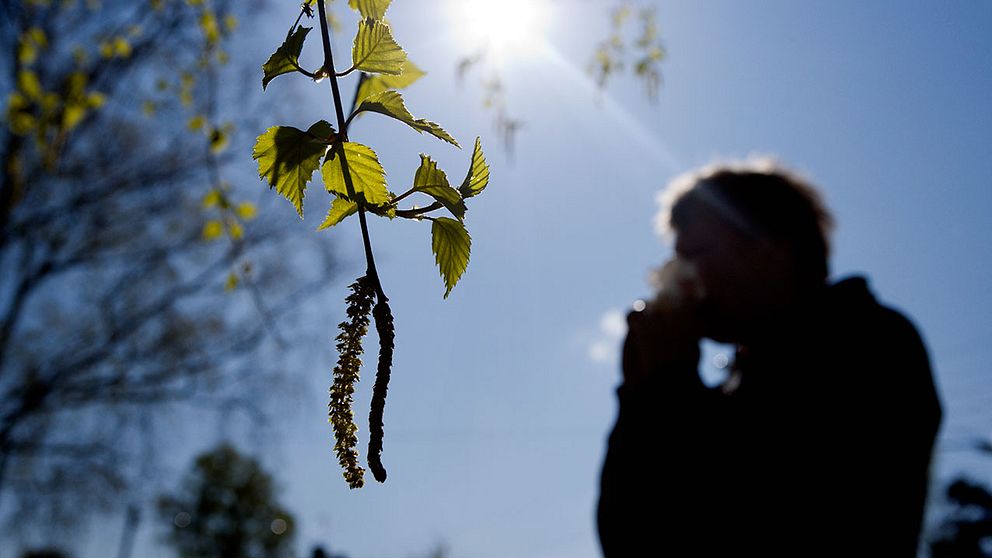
[278,526]
[639,305]
[181,520]
[714,369]
[601,351]
[613,324]
[612,328]
[721,361]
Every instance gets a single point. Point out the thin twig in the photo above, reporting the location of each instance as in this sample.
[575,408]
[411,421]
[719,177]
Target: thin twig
[343,131]
[419,212]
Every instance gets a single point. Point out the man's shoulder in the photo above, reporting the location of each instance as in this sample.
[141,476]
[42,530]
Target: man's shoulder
[874,333]
[851,300]
[885,349]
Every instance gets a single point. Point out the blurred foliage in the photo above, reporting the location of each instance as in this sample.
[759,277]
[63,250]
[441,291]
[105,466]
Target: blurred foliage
[227,508]
[131,280]
[634,46]
[494,99]
[967,530]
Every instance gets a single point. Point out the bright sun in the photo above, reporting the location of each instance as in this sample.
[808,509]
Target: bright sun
[502,24]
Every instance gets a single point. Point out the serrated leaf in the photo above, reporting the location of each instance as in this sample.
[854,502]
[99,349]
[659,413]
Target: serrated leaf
[288,156]
[452,246]
[433,182]
[449,198]
[391,103]
[428,174]
[375,50]
[322,131]
[340,210]
[286,58]
[478,173]
[374,9]
[374,84]
[367,175]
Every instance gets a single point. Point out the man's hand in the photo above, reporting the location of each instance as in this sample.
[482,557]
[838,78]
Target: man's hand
[665,333]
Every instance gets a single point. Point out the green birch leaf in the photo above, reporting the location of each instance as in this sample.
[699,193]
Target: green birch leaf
[391,103]
[451,245]
[374,9]
[340,210]
[433,182]
[286,58]
[375,50]
[375,84]
[322,131]
[367,175]
[478,173]
[288,156]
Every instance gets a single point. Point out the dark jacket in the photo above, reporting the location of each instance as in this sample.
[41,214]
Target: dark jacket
[822,450]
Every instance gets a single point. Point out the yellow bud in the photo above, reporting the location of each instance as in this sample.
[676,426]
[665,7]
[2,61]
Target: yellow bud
[247,211]
[235,229]
[232,282]
[211,199]
[212,230]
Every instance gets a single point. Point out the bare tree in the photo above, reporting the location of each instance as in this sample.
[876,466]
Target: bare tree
[130,276]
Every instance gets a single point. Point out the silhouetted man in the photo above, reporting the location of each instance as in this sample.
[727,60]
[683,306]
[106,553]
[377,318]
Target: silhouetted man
[818,444]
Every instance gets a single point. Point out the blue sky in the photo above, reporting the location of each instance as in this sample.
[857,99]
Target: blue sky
[502,395]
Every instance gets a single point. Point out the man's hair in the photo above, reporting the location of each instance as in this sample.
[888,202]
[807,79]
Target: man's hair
[762,200]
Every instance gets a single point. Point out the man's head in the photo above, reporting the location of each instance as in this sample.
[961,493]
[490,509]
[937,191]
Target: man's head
[757,234]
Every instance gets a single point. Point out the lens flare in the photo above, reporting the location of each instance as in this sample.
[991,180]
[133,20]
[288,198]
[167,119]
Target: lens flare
[504,25]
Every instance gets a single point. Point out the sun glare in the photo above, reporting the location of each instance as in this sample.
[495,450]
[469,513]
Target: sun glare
[502,24]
